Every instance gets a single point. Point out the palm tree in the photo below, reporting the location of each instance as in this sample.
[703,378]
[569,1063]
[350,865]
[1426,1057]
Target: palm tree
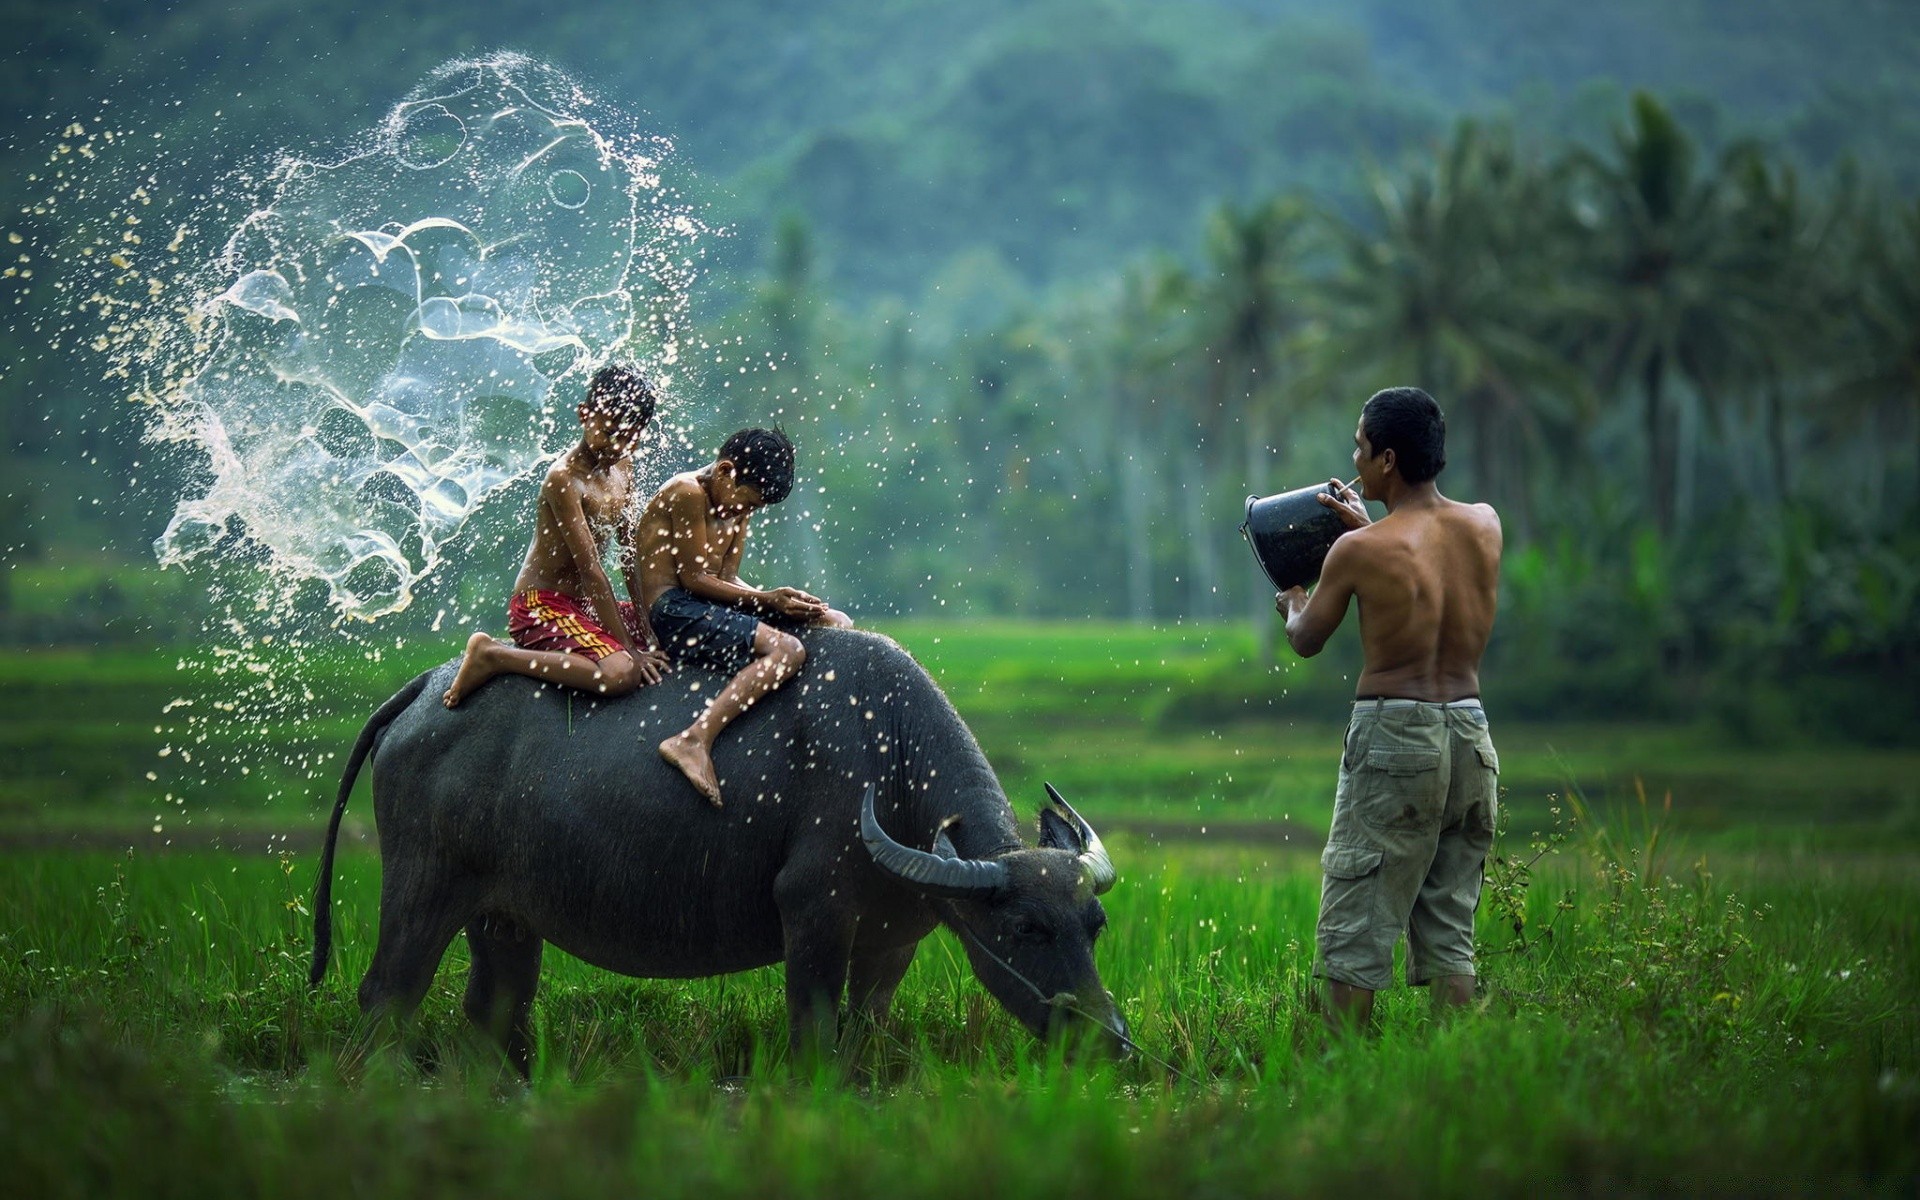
[1241,308]
[1129,360]
[1662,258]
[1785,293]
[1880,385]
[1452,283]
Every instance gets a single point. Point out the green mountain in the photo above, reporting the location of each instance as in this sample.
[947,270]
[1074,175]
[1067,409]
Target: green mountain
[1062,137]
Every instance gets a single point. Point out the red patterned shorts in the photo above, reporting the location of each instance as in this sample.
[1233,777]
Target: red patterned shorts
[538,619]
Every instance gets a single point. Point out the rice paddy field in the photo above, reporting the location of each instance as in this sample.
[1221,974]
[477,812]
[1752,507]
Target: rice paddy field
[1698,972]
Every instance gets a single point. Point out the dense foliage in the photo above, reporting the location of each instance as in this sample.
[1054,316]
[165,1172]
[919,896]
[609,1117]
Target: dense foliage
[1044,291]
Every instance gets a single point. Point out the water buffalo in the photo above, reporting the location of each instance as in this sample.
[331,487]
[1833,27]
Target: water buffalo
[533,814]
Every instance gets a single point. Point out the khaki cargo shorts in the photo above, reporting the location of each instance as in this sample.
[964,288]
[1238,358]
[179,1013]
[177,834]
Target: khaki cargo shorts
[1412,822]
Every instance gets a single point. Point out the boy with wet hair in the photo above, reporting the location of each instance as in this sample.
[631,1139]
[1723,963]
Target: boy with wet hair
[567,626]
[690,541]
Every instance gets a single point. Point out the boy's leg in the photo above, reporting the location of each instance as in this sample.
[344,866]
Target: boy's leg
[485,657]
[777,656]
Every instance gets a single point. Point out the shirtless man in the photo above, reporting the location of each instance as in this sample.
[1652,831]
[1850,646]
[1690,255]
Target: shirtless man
[1413,815]
[690,541]
[566,624]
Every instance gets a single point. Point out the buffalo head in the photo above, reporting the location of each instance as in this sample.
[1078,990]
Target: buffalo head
[1028,919]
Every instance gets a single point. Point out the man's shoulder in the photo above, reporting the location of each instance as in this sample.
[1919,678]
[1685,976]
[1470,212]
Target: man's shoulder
[1485,518]
[1480,510]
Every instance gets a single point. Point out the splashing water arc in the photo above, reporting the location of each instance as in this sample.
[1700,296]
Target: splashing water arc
[395,325]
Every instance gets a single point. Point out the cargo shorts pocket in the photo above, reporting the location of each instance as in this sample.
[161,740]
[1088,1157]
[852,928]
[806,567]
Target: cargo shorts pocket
[1484,815]
[1352,876]
[1401,788]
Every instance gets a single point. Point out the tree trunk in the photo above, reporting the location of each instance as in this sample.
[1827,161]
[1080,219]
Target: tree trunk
[1685,466]
[1199,569]
[1135,526]
[1659,448]
[1776,419]
[1259,599]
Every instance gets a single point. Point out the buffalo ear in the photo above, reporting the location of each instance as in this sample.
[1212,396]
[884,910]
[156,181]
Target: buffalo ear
[942,844]
[1057,833]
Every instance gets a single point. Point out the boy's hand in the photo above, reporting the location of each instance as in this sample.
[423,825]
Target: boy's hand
[651,664]
[1290,601]
[796,604]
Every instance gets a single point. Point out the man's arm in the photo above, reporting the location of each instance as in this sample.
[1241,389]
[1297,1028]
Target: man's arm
[1311,619]
[562,498]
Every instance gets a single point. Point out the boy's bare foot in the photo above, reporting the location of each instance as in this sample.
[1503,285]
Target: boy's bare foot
[695,763]
[476,667]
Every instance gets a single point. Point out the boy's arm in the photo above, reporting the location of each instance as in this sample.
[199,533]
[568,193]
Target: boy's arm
[717,580]
[730,570]
[730,561]
[630,574]
[564,502]
[1311,619]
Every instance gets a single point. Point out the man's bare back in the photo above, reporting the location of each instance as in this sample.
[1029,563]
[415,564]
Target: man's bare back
[1427,578]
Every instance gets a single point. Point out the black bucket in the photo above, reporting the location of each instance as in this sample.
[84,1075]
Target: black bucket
[1291,534]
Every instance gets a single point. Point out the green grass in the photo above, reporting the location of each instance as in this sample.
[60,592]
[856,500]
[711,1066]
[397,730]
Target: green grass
[1663,1033]
[1206,738]
[1718,994]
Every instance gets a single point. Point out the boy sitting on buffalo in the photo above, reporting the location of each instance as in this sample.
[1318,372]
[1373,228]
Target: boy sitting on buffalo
[566,624]
[689,544]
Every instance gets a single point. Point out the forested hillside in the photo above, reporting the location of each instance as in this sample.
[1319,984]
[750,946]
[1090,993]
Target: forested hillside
[1065,136]
[1044,290]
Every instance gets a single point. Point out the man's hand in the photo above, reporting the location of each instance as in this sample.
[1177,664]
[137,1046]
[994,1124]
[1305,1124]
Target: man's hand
[1347,503]
[795,604]
[1290,601]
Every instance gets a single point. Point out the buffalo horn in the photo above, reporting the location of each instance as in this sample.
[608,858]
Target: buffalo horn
[954,878]
[1093,855]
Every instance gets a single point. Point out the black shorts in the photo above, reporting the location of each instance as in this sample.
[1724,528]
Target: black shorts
[701,633]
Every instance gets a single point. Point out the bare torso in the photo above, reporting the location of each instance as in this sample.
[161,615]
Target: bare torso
[1427,579]
[682,534]
[603,495]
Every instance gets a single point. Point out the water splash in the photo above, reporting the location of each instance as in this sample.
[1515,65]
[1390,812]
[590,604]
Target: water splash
[391,331]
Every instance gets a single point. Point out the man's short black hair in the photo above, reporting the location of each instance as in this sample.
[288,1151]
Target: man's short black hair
[763,460]
[623,392]
[1408,422]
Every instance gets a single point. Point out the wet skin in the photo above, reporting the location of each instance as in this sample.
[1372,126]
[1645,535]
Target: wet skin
[583,506]
[692,535]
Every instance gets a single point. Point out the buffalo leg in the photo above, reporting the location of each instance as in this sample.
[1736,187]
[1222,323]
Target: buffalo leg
[416,923]
[875,976]
[501,981]
[816,953]
[871,982]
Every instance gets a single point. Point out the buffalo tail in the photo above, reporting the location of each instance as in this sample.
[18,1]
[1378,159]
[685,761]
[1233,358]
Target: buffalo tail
[323,891]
